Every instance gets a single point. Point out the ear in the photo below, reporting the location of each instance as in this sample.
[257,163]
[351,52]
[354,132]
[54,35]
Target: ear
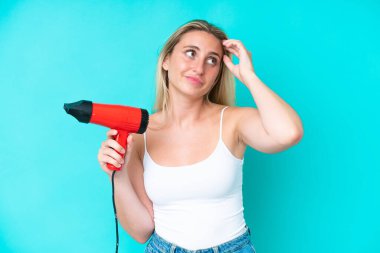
[165,63]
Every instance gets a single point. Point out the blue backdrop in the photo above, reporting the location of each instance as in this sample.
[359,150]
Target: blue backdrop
[322,57]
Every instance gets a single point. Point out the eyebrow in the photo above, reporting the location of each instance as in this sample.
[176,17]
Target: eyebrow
[197,48]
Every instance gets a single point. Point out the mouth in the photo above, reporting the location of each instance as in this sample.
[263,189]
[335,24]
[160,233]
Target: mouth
[194,80]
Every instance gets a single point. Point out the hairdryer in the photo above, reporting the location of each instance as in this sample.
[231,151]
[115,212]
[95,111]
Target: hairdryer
[125,119]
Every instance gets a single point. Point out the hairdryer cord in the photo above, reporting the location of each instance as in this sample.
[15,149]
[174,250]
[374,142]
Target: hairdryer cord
[114,210]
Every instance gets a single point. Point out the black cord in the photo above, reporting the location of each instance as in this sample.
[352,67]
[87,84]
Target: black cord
[114,210]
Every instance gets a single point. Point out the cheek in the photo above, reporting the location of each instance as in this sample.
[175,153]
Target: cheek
[180,65]
[215,73]
[176,73]
[184,63]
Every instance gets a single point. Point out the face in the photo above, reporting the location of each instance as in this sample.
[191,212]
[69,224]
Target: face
[194,63]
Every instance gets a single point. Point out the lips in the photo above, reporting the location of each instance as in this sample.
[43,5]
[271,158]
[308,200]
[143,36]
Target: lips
[194,79]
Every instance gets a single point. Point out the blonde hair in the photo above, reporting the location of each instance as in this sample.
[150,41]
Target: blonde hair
[223,92]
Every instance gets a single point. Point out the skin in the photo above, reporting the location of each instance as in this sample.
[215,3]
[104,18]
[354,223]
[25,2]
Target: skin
[189,131]
[175,139]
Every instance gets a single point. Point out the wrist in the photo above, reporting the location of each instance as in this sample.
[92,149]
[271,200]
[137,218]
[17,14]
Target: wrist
[249,78]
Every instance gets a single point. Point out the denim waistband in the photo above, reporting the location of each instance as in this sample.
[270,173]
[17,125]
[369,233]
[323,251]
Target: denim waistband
[233,245]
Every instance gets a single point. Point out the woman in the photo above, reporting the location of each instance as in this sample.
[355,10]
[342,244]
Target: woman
[181,181]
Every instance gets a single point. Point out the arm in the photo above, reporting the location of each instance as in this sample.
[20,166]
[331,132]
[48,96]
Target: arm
[274,120]
[136,176]
[274,126]
[134,215]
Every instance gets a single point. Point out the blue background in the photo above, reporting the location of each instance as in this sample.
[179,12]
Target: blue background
[321,57]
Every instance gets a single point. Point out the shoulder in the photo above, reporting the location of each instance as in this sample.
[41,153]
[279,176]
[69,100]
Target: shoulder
[242,120]
[250,130]
[240,110]
[241,115]
[236,113]
[138,139]
[217,108]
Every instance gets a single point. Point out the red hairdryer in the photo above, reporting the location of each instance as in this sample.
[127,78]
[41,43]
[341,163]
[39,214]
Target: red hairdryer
[125,119]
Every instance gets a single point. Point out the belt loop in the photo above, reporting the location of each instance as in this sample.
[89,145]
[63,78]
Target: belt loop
[172,248]
[215,249]
[249,231]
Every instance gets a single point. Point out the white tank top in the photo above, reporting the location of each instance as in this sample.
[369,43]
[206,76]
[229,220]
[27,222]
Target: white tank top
[200,205]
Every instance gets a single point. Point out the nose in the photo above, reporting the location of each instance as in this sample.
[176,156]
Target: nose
[198,66]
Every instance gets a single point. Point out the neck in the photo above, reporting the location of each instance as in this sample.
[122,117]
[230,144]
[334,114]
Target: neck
[186,112]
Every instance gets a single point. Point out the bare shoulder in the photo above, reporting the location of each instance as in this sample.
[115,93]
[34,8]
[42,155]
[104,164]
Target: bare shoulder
[139,138]
[240,111]
[250,130]
[236,114]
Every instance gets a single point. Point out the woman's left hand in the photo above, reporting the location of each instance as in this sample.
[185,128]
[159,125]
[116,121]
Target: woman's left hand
[245,66]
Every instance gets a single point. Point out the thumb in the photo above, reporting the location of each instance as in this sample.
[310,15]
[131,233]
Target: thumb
[228,62]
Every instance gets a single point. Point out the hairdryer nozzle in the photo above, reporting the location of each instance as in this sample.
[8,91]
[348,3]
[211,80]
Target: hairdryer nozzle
[144,121]
[80,110]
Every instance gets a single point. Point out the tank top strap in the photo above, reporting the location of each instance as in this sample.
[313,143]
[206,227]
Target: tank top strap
[144,141]
[221,123]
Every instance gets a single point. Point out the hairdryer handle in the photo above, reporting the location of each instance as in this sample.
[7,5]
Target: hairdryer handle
[121,138]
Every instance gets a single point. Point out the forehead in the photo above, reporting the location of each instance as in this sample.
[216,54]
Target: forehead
[205,41]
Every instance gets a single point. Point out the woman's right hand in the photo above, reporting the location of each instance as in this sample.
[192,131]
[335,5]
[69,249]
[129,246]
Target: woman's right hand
[107,153]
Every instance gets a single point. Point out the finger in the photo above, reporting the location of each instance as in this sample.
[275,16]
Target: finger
[110,133]
[230,43]
[107,154]
[233,50]
[237,44]
[113,144]
[113,154]
[104,166]
[109,160]
[233,42]
[229,64]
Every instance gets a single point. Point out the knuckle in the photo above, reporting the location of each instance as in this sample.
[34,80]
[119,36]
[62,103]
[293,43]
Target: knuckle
[116,155]
[113,162]
[108,142]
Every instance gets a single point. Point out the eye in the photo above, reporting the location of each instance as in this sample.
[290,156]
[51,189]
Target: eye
[191,54]
[190,51]
[214,60]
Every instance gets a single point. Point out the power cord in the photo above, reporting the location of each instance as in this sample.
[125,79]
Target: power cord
[114,210]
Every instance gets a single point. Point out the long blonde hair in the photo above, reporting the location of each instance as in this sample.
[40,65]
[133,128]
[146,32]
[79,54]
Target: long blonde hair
[223,92]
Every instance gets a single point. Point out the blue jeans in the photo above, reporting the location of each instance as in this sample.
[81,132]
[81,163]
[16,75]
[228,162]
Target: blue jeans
[241,244]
